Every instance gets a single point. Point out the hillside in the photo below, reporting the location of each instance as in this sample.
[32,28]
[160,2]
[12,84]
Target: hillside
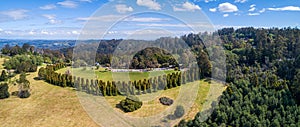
[47,106]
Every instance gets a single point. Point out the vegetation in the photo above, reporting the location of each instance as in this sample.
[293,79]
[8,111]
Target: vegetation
[166,101]
[152,58]
[24,63]
[263,72]
[130,104]
[24,86]
[179,111]
[4,91]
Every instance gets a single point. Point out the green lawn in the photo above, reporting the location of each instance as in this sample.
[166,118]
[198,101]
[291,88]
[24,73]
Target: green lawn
[109,76]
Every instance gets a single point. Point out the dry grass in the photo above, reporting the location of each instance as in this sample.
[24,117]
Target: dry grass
[152,106]
[47,106]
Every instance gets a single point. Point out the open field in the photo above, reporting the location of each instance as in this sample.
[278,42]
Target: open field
[48,105]
[152,106]
[108,75]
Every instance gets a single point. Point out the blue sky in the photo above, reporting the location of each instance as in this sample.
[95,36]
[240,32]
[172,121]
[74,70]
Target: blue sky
[138,19]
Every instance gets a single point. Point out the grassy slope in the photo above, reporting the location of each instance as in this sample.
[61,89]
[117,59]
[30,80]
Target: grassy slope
[151,104]
[47,106]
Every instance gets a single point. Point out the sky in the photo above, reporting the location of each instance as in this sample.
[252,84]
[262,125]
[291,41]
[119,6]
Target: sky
[138,19]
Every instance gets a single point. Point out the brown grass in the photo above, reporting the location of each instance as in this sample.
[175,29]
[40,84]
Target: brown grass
[48,105]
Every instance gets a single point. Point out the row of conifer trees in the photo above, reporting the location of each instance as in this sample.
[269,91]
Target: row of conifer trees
[114,88]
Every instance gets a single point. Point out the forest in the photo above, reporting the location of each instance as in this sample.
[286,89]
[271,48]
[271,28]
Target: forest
[263,72]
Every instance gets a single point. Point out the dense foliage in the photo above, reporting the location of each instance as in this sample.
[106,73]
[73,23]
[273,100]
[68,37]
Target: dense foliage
[166,101]
[152,58]
[4,91]
[263,72]
[130,104]
[24,63]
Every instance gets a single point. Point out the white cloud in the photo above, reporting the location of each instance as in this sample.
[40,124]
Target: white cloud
[1,30]
[48,7]
[253,14]
[75,32]
[31,32]
[240,1]
[287,8]
[68,4]
[187,6]
[252,7]
[262,10]
[145,19]
[89,1]
[227,7]
[52,19]
[121,8]
[8,32]
[225,15]
[104,18]
[213,9]
[207,1]
[151,4]
[15,14]
[44,32]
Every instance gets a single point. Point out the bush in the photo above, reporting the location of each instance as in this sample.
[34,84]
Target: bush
[179,112]
[4,91]
[166,101]
[24,94]
[130,104]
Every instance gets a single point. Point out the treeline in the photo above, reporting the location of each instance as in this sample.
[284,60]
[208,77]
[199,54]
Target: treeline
[17,50]
[114,88]
[49,56]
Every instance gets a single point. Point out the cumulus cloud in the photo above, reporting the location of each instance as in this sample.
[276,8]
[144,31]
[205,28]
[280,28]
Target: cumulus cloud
[240,1]
[252,7]
[227,7]
[225,15]
[68,4]
[287,8]
[262,10]
[151,4]
[15,14]
[52,19]
[213,9]
[122,8]
[48,7]
[187,6]
[253,14]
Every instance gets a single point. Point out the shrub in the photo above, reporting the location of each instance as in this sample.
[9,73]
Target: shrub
[130,104]
[4,91]
[179,112]
[166,101]
[24,94]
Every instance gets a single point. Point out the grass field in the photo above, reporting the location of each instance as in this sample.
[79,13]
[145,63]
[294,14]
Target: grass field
[152,106]
[47,106]
[108,75]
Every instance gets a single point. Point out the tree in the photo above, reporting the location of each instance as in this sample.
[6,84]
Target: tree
[24,86]
[179,111]
[4,91]
[130,104]
[3,76]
